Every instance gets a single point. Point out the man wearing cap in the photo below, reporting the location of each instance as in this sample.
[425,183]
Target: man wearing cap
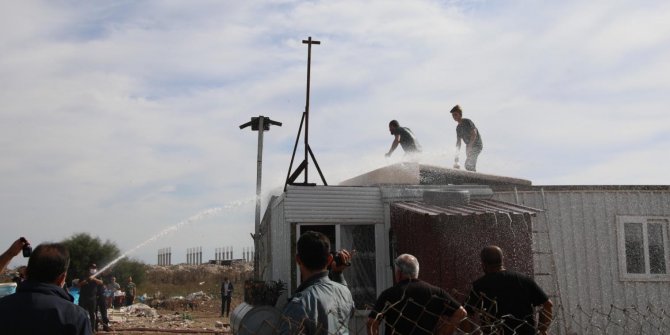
[467,131]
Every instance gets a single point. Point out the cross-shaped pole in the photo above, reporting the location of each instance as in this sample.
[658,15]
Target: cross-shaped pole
[309,43]
[303,167]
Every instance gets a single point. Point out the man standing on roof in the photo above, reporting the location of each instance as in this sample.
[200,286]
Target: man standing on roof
[467,131]
[404,137]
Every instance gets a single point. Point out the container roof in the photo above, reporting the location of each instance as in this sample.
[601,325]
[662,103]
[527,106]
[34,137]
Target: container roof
[423,174]
[474,207]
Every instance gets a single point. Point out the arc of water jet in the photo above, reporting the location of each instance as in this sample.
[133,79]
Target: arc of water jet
[197,217]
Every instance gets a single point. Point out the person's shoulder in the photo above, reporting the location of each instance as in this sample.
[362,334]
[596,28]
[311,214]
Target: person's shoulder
[421,283]
[487,278]
[433,288]
[80,311]
[296,303]
[385,293]
[515,274]
[468,122]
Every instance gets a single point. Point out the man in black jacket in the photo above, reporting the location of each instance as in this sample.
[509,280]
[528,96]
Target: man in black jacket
[88,294]
[504,301]
[226,296]
[412,306]
[41,305]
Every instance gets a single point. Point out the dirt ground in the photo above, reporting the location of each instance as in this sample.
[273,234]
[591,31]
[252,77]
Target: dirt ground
[170,316]
[202,319]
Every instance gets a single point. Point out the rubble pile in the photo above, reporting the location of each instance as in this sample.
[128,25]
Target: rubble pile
[183,297]
[139,310]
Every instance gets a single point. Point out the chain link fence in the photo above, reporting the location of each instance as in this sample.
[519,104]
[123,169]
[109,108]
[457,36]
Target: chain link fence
[408,316]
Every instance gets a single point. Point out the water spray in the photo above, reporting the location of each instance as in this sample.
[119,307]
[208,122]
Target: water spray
[458,149]
[195,218]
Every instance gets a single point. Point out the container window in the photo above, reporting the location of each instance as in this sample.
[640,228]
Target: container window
[643,248]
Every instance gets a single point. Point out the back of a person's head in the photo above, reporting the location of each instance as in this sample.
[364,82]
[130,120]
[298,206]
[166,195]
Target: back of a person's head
[47,262]
[408,265]
[394,123]
[492,256]
[313,250]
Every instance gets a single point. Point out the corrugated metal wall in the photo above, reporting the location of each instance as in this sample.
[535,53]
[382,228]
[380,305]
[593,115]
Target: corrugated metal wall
[317,204]
[281,260]
[448,246]
[333,204]
[583,232]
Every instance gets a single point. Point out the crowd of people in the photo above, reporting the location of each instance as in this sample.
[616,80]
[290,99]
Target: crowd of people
[466,132]
[41,294]
[501,301]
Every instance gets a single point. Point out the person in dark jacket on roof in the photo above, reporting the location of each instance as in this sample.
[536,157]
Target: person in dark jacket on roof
[41,305]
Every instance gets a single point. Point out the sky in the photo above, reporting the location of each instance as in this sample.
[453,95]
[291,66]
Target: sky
[120,118]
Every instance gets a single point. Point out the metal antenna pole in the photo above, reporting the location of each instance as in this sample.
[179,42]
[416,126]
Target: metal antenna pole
[260,124]
[309,43]
[259,170]
[303,167]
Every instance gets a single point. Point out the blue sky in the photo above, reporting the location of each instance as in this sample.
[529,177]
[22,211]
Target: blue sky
[120,119]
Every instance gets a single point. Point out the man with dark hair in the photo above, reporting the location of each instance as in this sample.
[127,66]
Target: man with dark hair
[413,306]
[320,305]
[88,293]
[131,291]
[404,137]
[467,131]
[40,304]
[505,300]
[111,289]
[226,296]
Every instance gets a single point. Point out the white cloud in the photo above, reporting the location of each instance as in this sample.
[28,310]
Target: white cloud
[120,123]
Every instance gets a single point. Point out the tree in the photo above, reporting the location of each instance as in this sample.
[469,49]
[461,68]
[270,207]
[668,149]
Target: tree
[126,268]
[85,249]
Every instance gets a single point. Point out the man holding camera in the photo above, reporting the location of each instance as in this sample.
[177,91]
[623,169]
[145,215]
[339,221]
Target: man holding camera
[320,305]
[41,305]
[13,251]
